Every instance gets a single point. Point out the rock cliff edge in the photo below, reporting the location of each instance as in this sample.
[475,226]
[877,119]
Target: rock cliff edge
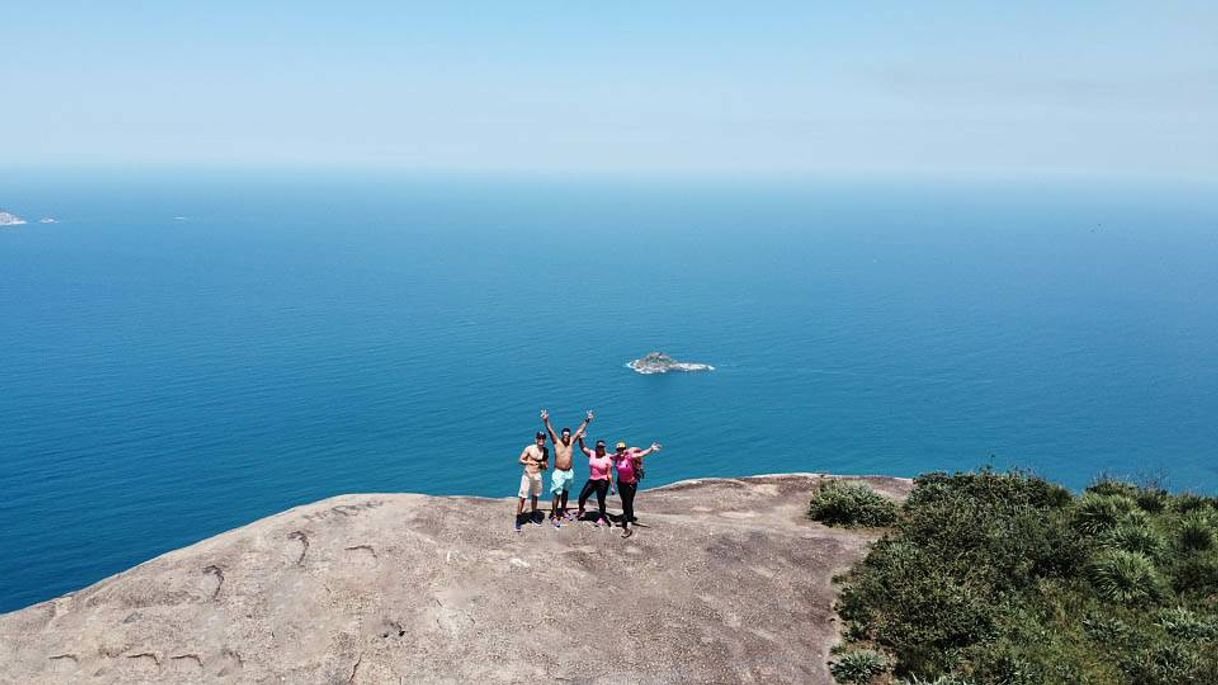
[726,581]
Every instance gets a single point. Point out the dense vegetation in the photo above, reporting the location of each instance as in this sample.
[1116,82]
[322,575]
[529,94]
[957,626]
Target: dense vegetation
[1005,578]
[843,503]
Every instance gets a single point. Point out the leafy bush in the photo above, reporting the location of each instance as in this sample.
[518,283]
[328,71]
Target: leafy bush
[1195,532]
[1188,625]
[1171,663]
[1002,578]
[1188,502]
[1125,577]
[860,666]
[1107,486]
[852,504]
[1196,575]
[1152,501]
[941,680]
[1096,513]
[1133,537]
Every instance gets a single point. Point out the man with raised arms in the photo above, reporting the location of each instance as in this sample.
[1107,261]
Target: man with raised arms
[564,473]
[536,458]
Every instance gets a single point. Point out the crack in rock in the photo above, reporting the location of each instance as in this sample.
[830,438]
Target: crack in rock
[188,656]
[155,659]
[366,547]
[64,656]
[355,668]
[300,536]
[219,573]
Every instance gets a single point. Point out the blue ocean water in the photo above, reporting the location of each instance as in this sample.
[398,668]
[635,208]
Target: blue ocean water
[187,352]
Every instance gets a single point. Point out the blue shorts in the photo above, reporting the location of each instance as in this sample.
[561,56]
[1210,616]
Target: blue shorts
[560,481]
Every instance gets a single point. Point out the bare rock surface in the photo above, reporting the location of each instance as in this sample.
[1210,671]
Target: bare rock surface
[727,581]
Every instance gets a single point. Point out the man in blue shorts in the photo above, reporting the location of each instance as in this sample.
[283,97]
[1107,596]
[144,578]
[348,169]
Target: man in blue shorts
[564,472]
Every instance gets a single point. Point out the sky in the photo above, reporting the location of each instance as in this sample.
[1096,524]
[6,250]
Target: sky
[1081,87]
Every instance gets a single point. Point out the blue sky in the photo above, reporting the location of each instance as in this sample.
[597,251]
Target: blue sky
[895,87]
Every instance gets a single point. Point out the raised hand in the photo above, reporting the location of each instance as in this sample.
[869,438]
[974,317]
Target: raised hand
[545,414]
[656,447]
[591,415]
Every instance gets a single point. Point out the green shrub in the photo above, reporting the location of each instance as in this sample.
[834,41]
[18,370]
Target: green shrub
[1188,625]
[1125,577]
[860,666]
[1132,537]
[901,595]
[1096,513]
[1014,488]
[941,680]
[1106,629]
[1196,574]
[1195,532]
[1188,502]
[1171,663]
[1106,486]
[1002,578]
[1152,501]
[852,505]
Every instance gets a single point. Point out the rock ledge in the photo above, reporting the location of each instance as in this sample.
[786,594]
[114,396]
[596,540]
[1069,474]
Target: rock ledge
[727,582]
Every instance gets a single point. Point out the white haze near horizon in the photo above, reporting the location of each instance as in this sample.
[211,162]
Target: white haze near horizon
[1040,87]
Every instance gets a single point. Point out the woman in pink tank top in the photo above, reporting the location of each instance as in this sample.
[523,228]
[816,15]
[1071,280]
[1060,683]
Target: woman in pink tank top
[600,477]
[629,464]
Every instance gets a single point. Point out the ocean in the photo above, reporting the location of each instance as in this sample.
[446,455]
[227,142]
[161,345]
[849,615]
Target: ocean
[186,352]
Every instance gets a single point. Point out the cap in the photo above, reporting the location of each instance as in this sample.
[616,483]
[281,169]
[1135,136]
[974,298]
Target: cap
[540,434]
[621,445]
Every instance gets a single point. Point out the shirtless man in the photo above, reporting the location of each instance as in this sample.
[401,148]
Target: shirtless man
[564,473]
[536,458]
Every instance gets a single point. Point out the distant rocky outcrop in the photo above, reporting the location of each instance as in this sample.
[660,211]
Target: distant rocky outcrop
[7,219]
[726,580]
[658,362]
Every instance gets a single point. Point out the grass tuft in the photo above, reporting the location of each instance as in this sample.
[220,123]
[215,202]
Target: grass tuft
[858,667]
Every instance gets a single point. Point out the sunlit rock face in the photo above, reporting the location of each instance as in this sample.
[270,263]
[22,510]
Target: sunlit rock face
[725,580]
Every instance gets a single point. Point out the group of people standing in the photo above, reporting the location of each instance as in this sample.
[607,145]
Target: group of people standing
[626,461]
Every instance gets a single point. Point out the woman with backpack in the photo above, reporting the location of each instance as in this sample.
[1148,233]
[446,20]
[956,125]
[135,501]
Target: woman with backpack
[629,465]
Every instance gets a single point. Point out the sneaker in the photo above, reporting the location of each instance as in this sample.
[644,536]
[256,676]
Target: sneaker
[627,533]
[555,520]
[519,527]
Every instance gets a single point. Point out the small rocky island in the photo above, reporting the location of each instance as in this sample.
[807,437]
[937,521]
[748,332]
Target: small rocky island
[7,219]
[658,362]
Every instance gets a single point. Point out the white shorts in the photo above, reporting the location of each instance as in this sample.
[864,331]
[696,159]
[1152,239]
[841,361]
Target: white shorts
[530,485]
